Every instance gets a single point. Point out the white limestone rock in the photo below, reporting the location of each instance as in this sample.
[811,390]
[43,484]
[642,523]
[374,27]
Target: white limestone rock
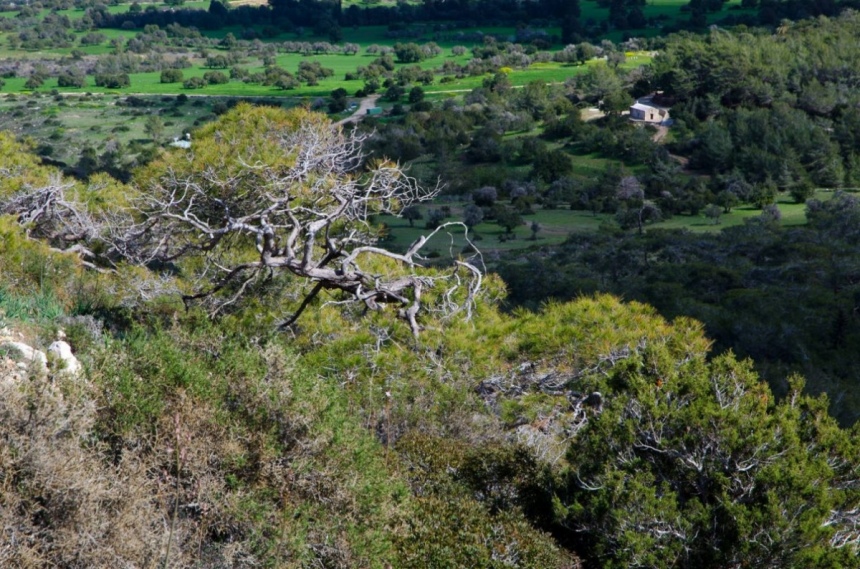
[28,356]
[62,353]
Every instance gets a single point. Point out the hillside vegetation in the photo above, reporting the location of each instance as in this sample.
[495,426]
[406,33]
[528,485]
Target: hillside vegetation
[417,426]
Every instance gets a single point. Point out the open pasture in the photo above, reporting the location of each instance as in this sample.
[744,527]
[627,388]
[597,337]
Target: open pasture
[556,225]
[61,127]
[150,83]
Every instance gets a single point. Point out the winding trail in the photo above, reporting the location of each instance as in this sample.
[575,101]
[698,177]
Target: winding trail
[661,133]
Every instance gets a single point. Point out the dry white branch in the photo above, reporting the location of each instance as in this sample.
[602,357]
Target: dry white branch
[49,213]
[310,218]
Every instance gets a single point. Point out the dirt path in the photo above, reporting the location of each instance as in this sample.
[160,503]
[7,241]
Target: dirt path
[370,102]
[591,114]
[361,111]
[661,133]
[682,160]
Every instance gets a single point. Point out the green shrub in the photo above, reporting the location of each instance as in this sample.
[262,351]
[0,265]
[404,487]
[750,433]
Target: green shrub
[171,76]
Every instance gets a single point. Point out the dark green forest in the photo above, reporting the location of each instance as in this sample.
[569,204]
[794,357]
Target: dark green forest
[784,297]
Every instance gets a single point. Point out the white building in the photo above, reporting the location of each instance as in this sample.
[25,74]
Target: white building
[644,110]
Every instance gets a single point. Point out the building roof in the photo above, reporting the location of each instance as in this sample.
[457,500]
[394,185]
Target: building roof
[643,107]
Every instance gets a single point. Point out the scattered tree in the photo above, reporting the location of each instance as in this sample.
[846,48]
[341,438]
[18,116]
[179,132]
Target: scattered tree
[411,214]
[485,197]
[713,213]
[154,128]
[408,52]
[112,80]
[171,76]
[727,200]
[472,215]
[802,191]
[435,218]
[34,81]
[73,80]
[416,95]
[215,78]
[194,83]
[507,217]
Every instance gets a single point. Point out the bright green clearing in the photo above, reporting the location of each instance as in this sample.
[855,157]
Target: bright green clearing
[150,83]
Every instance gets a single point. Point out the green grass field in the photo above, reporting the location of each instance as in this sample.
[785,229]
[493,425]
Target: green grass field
[556,225]
[149,83]
[68,124]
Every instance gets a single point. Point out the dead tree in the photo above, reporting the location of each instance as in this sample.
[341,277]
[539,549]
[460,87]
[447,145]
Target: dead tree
[294,200]
[261,192]
[52,213]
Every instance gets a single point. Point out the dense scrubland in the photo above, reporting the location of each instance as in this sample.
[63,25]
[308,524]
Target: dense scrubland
[619,346]
[592,432]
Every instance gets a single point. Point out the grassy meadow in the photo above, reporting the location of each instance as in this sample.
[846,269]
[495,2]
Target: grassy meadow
[61,127]
[556,225]
[149,83]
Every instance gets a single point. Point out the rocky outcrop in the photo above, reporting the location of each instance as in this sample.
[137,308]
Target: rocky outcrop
[17,358]
[66,361]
